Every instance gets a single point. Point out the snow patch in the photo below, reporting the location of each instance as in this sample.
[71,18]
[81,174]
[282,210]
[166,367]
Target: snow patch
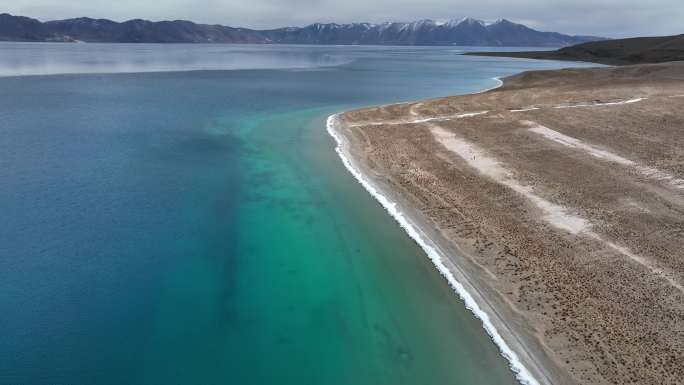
[556,215]
[571,142]
[421,120]
[596,152]
[413,111]
[598,104]
[449,117]
[642,261]
[525,109]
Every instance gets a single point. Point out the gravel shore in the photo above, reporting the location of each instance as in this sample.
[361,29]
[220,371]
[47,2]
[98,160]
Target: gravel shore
[559,199]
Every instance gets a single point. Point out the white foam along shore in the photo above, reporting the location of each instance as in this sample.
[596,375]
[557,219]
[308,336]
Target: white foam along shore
[522,373]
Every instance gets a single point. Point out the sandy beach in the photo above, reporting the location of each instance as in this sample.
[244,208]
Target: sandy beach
[554,205]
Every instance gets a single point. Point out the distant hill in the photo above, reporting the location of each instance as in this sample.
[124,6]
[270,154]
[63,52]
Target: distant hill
[466,31]
[615,52]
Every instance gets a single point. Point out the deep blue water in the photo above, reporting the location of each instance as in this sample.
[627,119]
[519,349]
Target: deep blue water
[196,227]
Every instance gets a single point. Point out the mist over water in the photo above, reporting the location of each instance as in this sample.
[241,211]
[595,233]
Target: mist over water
[61,58]
[197,227]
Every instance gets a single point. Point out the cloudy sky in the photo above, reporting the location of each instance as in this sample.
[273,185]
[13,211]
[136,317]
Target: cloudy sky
[612,18]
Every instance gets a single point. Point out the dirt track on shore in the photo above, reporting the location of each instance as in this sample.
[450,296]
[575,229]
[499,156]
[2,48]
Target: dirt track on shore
[565,189]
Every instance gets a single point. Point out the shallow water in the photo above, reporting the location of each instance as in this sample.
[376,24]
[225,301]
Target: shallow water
[196,227]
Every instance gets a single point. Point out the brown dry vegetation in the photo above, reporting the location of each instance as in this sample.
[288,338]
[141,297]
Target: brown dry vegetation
[600,317]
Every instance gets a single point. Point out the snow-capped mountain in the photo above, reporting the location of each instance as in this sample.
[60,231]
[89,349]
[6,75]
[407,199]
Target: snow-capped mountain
[464,31]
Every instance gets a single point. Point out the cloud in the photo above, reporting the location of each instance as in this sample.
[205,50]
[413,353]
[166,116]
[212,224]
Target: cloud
[614,18]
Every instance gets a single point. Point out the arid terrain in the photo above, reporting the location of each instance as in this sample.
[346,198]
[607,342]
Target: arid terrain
[561,194]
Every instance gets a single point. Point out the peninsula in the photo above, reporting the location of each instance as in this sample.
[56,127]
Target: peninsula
[638,50]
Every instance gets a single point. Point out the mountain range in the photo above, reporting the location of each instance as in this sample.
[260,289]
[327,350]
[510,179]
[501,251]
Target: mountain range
[465,32]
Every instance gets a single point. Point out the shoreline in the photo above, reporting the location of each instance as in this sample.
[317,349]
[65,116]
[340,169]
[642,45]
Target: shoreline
[524,226]
[510,347]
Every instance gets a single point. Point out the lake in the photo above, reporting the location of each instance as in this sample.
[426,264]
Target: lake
[176,214]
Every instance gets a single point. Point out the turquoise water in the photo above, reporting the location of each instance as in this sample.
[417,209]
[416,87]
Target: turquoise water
[196,227]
